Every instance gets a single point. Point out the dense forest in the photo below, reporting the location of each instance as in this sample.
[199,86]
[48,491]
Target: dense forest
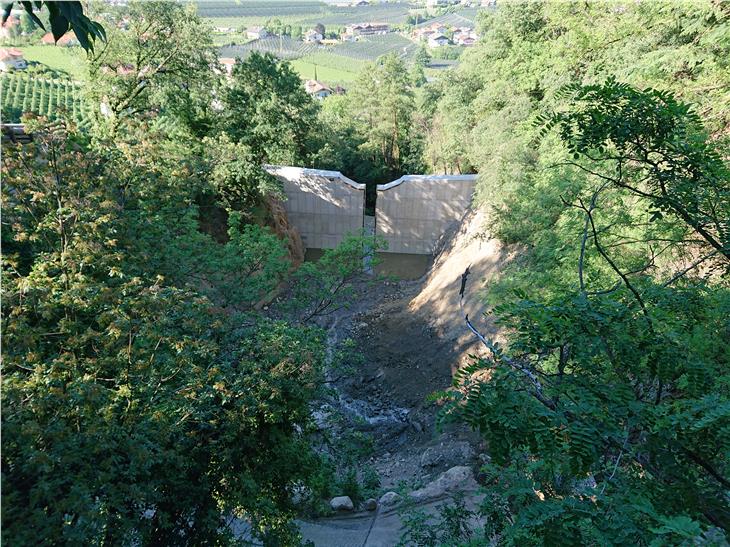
[161,350]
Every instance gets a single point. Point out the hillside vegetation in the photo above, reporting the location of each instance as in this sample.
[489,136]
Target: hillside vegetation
[163,344]
[600,134]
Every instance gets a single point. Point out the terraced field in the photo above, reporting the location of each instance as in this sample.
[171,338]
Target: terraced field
[345,55]
[47,97]
[304,13]
[281,46]
[465,18]
[262,9]
[371,47]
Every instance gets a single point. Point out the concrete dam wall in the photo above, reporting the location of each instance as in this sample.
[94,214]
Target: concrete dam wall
[411,213]
[322,205]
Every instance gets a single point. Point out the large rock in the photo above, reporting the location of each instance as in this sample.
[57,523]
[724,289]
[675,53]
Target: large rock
[342,503]
[447,455]
[370,504]
[456,478]
[389,499]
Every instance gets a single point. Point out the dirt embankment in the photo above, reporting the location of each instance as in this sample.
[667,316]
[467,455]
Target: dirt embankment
[411,337]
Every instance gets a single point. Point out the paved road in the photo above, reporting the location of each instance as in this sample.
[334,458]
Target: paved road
[381,528]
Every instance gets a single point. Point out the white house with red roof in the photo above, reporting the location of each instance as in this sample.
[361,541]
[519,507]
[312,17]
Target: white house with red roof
[12,59]
[317,89]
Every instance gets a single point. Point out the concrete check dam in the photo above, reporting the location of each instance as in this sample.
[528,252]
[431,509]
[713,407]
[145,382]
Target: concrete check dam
[411,213]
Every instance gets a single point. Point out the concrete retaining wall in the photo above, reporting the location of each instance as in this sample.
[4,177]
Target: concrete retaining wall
[323,205]
[412,212]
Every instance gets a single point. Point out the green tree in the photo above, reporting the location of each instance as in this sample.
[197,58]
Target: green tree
[418,75]
[162,62]
[609,410]
[422,57]
[267,109]
[383,103]
[135,408]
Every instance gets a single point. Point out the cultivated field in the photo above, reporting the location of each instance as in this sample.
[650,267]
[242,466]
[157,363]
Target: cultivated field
[50,97]
[465,18]
[64,59]
[334,63]
[302,13]
[371,47]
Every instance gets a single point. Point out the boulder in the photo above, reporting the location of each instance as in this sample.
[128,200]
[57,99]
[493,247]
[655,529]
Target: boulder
[342,503]
[389,499]
[370,504]
[456,478]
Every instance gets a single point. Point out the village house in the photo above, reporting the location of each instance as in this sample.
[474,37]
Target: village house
[465,37]
[367,29]
[438,40]
[256,33]
[10,27]
[67,40]
[12,59]
[440,3]
[313,36]
[429,31]
[227,63]
[317,89]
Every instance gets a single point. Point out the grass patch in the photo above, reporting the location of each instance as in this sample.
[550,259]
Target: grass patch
[324,74]
[66,59]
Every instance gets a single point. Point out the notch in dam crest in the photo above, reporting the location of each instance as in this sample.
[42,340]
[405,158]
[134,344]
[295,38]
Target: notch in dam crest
[411,213]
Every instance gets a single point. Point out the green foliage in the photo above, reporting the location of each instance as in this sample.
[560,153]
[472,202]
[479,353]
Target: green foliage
[422,57]
[606,413]
[135,409]
[450,526]
[369,133]
[325,286]
[63,16]
[448,52]
[238,178]
[158,58]
[651,145]
[267,110]
[625,385]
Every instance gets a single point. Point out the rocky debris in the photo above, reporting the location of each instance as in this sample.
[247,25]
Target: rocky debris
[300,495]
[431,458]
[370,504]
[389,499]
[323,416]
[342,503]
[456,478]
[447,455]
[415,423]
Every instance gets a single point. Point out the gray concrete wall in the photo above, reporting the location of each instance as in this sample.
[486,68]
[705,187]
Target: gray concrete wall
[412,213]
[323,205]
